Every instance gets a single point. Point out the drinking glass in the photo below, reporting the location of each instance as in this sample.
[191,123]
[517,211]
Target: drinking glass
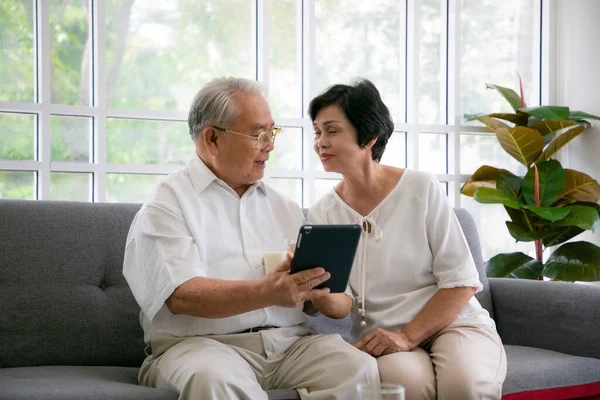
[381,391]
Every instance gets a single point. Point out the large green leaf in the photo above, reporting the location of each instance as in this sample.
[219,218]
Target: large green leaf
[583,217]
[547,112]
[563,233]
[513,265]
[510,183]
[523,144]
[579,187]
[548,213]
[510,95]
[552,180]
[524,235]
[574,261]
[546,127]
[494,196]
[521,217]
[582,115]
[485,176]
[517,119]
[581,118]
[595,206]
[559,141]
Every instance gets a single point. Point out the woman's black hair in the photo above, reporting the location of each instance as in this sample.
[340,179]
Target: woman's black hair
[362,105]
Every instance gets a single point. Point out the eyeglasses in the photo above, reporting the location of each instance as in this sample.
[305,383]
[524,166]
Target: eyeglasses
[262,139]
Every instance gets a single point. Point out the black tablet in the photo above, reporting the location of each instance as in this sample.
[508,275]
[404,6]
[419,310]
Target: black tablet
[332,247]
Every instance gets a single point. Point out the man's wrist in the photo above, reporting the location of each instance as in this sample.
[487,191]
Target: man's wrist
[259,291]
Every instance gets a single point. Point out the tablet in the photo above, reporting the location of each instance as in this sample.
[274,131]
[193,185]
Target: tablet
[332,247]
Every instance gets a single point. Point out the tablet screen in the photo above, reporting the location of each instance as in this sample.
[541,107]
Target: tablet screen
[332,247]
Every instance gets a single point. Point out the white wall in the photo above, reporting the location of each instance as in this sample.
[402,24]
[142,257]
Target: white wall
[577,84]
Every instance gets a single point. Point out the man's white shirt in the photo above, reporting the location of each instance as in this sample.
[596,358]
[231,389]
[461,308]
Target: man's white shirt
[194,225]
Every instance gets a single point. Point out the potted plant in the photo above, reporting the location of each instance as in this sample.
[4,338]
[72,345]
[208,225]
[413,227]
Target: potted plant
[549,205]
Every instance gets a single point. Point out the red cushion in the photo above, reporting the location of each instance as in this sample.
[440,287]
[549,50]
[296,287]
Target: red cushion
[588,391]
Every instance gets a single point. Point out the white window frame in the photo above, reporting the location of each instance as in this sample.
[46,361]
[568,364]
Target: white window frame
[99,112]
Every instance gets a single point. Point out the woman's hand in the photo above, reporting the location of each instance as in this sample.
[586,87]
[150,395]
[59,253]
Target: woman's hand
[381,342]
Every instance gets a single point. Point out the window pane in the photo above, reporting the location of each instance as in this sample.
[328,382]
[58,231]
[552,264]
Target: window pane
[395,151]
[16,50]
[433,152]
[18,185]
[496,53]
[432,58]
[288,150]
[71,138]
[70,186]
[159,53]
[71,52]
[323,186]
[291,188]
[362,38]
[130,188]
[132,141]
[478,150]
[17,138]
[285,76]
[493,233]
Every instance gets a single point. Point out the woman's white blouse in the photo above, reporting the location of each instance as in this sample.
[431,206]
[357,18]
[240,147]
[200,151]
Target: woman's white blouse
[415,247]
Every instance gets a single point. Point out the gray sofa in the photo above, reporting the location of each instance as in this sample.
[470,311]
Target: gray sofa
[69,325]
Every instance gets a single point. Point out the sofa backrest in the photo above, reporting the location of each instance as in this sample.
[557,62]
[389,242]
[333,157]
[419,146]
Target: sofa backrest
[63,297]
[469,228]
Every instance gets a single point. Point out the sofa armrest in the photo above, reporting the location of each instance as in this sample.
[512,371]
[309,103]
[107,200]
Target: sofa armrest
[559,316]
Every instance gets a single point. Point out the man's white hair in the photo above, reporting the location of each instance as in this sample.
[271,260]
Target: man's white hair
[215,103]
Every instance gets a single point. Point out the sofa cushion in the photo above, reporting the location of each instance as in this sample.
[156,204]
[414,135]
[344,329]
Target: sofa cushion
[544,374]
[75,382]
[87,383]
[64,298]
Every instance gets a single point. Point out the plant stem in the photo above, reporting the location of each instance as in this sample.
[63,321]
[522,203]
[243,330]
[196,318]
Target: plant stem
[538,250]
[538,243]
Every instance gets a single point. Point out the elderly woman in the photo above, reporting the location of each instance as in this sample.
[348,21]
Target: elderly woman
[413,282]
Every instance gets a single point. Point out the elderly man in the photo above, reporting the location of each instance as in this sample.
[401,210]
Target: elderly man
[218,327]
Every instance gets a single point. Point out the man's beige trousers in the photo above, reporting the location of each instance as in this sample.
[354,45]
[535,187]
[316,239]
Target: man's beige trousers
[243,366]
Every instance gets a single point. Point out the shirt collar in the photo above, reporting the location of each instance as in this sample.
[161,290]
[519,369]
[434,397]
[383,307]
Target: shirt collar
[201,177]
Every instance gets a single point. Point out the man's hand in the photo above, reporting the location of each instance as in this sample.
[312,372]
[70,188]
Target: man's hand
[381,342]
[292,290]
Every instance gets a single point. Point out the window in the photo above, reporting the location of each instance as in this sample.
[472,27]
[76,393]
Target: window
[94,94]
